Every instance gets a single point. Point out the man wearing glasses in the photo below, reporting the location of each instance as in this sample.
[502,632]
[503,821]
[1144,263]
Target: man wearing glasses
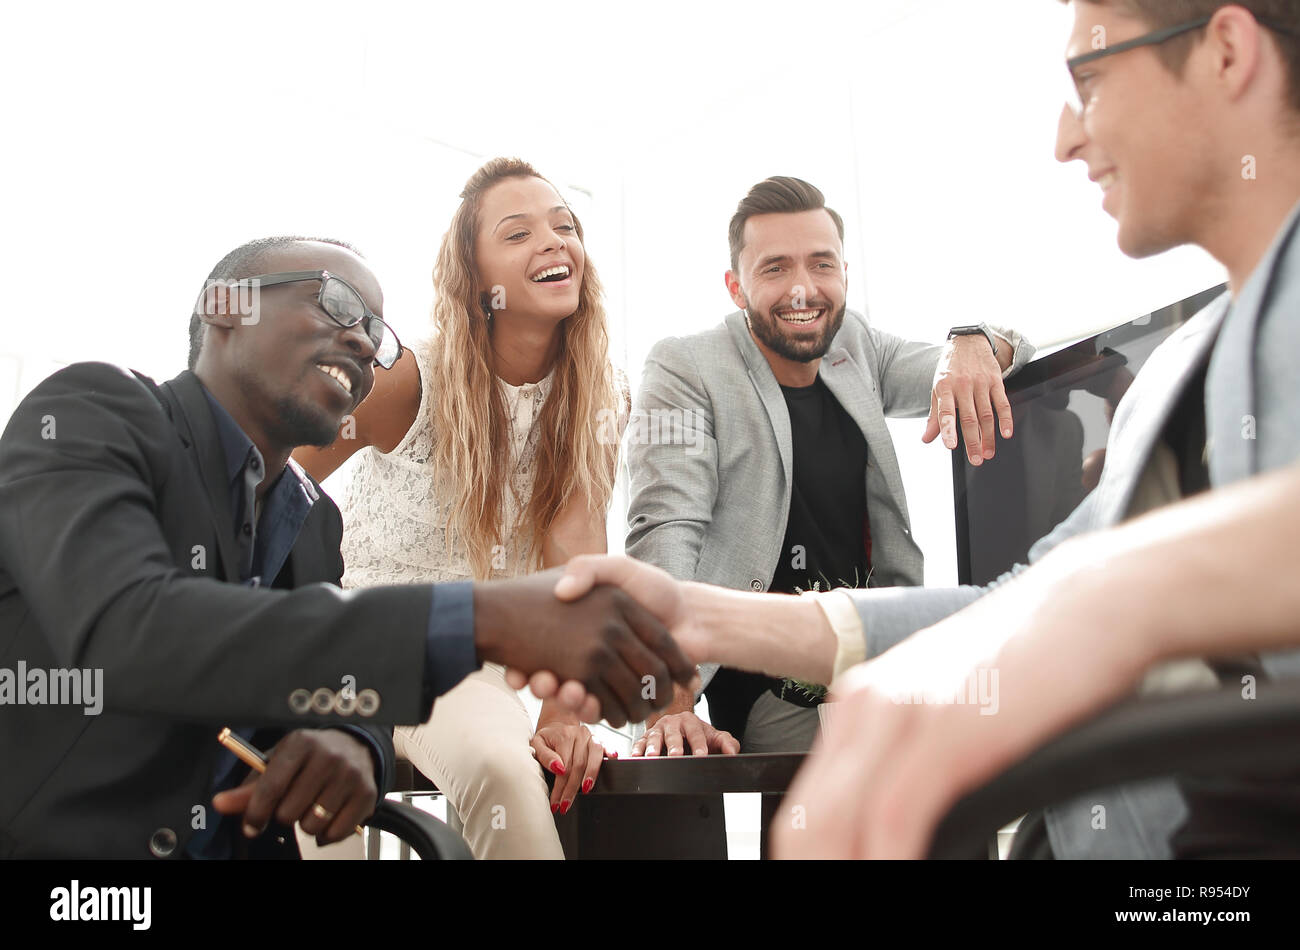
[1187,116]
[162,538]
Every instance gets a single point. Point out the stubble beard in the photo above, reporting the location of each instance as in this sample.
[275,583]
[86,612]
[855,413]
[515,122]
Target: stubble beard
[767,329]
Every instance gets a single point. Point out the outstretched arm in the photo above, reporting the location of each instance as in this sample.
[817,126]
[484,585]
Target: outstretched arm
[1211,576]
[82,463]
[766,633]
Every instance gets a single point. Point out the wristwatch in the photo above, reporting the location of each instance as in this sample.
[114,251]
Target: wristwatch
[972,330]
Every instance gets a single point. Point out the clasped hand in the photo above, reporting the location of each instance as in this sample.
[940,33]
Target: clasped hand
[629,638]
[323,779]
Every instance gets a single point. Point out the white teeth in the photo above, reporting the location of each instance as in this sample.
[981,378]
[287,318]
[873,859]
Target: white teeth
[336,374]
[801,316]
[551,272]
[1106,180]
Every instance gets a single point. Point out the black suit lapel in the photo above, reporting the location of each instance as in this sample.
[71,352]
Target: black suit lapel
[315,555]
[193,418]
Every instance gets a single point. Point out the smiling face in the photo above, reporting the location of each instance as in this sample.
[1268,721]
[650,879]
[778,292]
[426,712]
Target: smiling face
[792,283]
[528,255]
[1146,136]
[291,377]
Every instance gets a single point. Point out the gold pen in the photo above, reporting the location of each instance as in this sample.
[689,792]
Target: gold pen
[255,759]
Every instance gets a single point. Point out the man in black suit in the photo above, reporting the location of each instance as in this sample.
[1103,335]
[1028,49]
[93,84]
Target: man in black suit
[161,538]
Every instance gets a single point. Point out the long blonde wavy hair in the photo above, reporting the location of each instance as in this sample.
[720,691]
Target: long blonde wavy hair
[470,424]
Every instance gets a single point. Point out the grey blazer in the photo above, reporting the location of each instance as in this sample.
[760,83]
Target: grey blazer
[710,455]
[1253,348]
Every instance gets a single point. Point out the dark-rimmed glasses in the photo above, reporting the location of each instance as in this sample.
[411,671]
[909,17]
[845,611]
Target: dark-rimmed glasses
[344,305]
[1074,98]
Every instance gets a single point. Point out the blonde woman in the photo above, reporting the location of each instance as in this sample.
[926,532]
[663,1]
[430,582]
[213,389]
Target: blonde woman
[488,454]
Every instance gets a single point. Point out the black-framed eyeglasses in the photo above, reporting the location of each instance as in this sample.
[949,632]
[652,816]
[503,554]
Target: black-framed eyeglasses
[1074,98]
[344,305]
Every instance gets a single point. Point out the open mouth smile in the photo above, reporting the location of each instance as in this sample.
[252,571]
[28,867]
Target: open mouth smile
[339,375]
[800,317]
[551,275]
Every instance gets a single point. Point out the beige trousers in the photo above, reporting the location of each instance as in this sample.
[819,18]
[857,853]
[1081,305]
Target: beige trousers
[475,748]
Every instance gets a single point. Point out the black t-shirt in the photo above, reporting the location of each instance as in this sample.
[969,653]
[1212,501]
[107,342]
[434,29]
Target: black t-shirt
[1184,433]
[827,535]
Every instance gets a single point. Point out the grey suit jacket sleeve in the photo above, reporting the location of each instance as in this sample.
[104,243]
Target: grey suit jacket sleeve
[1022,351]
[906,368]
[891,614]
[672,462]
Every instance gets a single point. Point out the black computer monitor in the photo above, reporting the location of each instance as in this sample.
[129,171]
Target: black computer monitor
[1062,405]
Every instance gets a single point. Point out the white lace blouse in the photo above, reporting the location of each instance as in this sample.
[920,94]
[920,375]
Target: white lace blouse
[393,527]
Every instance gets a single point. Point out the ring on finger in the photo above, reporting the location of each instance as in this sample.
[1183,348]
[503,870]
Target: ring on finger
[321,812]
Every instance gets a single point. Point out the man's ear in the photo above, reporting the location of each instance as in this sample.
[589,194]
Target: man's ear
[1234,38]
[220,304]
[735,290]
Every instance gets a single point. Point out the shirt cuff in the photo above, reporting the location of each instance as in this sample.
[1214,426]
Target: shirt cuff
[846,624]
[450,654]
[383,781]
[1022,351]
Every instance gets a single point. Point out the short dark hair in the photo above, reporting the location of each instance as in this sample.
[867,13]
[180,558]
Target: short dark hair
[777,195]
[1159,14]
[246,261]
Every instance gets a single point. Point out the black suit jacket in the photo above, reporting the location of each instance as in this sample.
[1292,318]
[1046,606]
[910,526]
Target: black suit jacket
[117,552]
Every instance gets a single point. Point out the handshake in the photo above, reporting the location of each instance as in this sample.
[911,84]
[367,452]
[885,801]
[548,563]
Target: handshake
[606,636]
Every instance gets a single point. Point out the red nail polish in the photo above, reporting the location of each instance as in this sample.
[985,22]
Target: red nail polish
[554,808]
[587,784]
[557,767]
[564,808]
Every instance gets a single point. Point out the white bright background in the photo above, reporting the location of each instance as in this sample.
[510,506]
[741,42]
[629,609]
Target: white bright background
[144,141]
